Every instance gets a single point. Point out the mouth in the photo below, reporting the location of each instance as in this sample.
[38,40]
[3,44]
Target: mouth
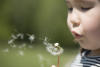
[77,35]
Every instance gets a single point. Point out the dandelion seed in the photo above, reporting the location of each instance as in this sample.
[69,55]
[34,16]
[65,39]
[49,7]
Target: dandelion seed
[13,36]
[11,41]
[19,46]
[42,65]
[56,44]
[40,57]
[6,50]
[20,35]
[31,37]
[45,42]
[53,66]
[30,46]
[22,46]
[13,45]
[21,53]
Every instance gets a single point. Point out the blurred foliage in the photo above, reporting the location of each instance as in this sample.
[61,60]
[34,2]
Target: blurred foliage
[40,17]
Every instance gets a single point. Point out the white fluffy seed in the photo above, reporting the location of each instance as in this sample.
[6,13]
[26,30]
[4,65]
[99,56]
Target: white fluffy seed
[56,44]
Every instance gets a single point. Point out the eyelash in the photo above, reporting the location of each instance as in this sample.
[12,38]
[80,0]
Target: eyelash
[81,8]
[70,9]
[85,9]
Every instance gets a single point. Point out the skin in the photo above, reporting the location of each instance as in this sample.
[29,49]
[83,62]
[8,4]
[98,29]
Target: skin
[84,18]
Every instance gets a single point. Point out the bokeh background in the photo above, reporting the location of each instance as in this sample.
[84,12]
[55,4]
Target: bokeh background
[43,18]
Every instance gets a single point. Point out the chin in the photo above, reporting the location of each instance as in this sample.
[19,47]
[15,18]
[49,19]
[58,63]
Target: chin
[89,47]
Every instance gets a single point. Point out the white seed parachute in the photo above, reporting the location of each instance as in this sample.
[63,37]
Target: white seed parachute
[53,49]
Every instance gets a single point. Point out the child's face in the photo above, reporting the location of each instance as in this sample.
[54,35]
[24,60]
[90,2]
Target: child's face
[84,22]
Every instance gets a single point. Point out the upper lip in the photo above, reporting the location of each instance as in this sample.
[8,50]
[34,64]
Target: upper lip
[77,35]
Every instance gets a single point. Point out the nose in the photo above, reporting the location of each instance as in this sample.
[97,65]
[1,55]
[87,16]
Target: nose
[75,19]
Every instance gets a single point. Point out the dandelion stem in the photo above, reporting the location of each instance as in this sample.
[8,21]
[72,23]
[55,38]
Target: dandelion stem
[58,61]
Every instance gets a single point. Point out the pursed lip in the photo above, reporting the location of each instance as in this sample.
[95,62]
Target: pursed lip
[76,35]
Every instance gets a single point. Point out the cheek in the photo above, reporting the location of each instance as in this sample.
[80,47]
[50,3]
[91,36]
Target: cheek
[92,27]
[69,23]
[93,32]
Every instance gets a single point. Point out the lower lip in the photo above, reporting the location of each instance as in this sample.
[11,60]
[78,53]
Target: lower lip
[77,36]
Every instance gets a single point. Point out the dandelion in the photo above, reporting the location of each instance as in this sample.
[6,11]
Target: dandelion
[53,49]
[57,51]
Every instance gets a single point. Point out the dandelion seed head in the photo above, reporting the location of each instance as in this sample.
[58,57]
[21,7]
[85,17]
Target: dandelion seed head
[53,49]
[58,52]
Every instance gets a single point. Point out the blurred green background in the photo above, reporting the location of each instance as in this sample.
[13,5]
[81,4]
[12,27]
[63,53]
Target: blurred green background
[43,18]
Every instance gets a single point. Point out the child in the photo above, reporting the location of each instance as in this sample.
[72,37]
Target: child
[84,23]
